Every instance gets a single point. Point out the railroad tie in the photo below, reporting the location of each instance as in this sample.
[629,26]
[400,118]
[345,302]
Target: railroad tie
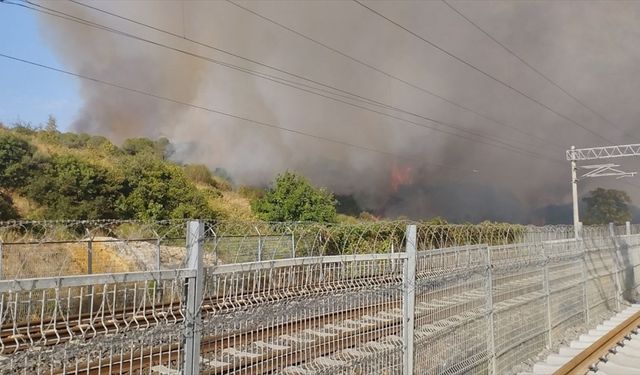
[340,328]
[240,354]
[298,340]
[164,370]
[262,344]
[210,362]
[329,362]
[320,333]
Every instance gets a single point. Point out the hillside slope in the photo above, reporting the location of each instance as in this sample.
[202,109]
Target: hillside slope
[48,174]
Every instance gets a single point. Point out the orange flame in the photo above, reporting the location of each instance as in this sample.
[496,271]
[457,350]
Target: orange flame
[400,176]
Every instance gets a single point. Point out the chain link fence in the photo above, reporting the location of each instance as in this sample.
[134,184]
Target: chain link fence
[302,298]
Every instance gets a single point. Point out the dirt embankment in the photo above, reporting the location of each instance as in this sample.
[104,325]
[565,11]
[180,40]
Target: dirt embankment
[107,255]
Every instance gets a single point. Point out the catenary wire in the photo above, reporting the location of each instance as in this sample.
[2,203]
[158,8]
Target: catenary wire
[533,68]
[227,114]
[484,73]
[499,143]
[396,78]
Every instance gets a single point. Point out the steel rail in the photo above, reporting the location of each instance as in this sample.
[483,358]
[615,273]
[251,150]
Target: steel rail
[582,363]
[145,358]
[22,335]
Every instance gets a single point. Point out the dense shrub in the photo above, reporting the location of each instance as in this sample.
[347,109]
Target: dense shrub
[154,190]
[15,155]
[293,198]
[71,188]
[160,149]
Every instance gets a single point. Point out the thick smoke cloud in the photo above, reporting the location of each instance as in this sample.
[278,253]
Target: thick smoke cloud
[583,46]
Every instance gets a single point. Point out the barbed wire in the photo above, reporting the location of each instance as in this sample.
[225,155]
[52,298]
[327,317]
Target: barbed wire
[67,247]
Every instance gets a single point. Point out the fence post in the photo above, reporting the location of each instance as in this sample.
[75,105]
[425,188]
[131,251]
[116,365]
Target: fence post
[585,280]
[627,228]
[491,334]
[194,286]
[259,244]
[158,262]
[547,293]
[616,265]
[90,256]
[1,261]
[409,300]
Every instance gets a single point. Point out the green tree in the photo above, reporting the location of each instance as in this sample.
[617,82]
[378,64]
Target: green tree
[293,198]
[607,206]
[15,154]
[161,148]
[155,190]
[71,188]
[52,125]
[136,146]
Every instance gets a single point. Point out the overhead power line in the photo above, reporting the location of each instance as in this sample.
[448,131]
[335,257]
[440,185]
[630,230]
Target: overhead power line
[544,76]
[484,73]
[472,138]
[395,77]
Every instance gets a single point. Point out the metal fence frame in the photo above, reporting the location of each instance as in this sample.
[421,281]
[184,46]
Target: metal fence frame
[487,290]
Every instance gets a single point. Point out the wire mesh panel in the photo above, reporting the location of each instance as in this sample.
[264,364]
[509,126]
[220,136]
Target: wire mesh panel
[451,312]
[123,323]
[519,303]
[340,314]
[242,249]
[629,255]
[59,248]
[602,278]
[300,298]
[566,290]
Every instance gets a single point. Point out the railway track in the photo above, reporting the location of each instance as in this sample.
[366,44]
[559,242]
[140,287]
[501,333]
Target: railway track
[609,349]
[333,338]
[56,330]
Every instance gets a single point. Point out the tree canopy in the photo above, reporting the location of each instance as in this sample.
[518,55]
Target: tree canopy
[84,177]
[71,188]
[293,198]
[605,206]
[156,190]
[15,154]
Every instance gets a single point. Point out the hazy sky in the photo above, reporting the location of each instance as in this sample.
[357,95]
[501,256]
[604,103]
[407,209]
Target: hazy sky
[29,93]
[590,49]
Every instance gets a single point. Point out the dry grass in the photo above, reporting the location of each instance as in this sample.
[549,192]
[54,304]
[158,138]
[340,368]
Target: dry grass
[232,206]
[46,260]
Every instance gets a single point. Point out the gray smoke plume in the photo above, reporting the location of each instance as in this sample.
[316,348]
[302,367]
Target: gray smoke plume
[587,48]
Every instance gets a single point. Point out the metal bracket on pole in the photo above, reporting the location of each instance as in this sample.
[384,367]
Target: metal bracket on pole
[194,289]
[600,170]
[606,170]
[409,300]
[574,194]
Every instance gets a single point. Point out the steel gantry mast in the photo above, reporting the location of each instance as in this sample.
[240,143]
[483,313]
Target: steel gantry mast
[574,155]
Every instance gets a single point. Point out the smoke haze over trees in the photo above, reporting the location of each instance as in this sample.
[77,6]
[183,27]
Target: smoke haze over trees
[456,177]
